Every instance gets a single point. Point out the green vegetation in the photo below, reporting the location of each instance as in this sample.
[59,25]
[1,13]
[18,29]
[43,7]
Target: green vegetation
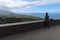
[17,18]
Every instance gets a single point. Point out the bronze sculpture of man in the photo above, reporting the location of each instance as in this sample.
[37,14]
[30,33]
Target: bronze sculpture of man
[46,22]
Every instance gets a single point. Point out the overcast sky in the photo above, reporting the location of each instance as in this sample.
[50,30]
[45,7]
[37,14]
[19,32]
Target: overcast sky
[31,6]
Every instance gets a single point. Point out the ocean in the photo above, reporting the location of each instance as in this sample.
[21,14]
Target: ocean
[51,15]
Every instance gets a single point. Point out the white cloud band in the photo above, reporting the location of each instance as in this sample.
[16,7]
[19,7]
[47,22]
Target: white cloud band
[26,4]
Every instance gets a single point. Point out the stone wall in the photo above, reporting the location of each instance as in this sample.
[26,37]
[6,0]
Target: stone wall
[10,30]
[55,22]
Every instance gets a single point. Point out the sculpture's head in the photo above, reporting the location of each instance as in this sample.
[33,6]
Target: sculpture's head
[46,13]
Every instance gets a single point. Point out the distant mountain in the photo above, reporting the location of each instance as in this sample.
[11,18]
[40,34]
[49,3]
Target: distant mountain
[5,12]
[11,14]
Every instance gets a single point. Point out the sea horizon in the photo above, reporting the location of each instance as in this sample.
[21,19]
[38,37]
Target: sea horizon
[51,15]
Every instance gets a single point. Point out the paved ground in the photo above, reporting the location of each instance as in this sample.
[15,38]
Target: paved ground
[42,34]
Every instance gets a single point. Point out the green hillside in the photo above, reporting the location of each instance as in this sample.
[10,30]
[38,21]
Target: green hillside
[17,18]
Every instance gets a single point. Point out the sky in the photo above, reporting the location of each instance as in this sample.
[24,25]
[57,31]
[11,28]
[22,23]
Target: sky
[30,6]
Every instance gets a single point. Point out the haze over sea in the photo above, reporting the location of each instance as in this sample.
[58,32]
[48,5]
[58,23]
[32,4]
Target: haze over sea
[51,15]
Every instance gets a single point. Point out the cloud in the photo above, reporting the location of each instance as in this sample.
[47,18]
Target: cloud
[7,3]
[26,4]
